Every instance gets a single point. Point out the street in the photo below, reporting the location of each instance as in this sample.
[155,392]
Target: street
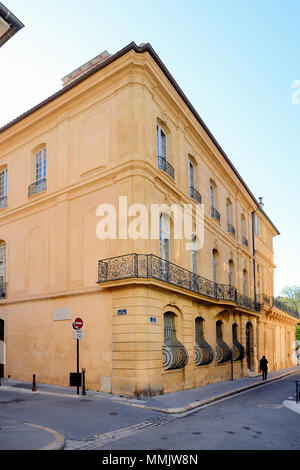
[254,420]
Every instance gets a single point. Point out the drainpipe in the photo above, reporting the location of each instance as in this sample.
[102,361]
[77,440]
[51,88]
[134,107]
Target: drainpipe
[260,206]
[14,23]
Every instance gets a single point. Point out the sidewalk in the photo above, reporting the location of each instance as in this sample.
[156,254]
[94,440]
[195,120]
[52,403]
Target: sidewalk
[176,402]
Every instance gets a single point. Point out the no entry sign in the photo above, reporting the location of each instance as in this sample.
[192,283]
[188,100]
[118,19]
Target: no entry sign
[77,324]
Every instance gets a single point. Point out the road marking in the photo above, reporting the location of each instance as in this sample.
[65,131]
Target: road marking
[58,442]
[292,405]
[106,438]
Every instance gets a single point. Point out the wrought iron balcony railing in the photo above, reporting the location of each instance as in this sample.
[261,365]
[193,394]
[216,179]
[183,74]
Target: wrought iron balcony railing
[37,187]
[3,290]
[230,229]
[164,165]
[270,302]
[284,307]
[244,241]
[151,266]
[3,202]
[195,195]
[215,214]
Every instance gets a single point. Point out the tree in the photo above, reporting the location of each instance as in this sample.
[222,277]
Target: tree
[290,295]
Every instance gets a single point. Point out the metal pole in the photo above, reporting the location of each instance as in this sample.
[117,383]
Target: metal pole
[231,360]
[83,382]
[77,364]
[297,392]
[33,383]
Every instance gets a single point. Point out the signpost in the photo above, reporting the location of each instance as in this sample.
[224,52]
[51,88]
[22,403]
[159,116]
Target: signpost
[78,334]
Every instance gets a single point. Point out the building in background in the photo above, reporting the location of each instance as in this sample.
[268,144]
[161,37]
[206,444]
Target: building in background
[157,317]
[9,24]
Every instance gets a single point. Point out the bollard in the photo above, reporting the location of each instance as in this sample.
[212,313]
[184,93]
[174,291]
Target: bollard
[83,382]
[297,391]
[33,384]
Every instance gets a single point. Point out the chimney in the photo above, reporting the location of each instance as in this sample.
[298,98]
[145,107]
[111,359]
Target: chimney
[71,77]
[261,204]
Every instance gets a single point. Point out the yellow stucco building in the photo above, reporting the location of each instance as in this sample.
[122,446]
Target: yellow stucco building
[157,317]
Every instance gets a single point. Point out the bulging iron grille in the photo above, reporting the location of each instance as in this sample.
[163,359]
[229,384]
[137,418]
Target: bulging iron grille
[175,354]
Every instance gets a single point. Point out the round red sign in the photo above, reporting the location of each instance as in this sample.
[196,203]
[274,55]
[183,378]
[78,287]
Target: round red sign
[77,324]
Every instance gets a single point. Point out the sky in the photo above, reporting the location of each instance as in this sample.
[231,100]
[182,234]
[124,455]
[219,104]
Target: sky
[236,60]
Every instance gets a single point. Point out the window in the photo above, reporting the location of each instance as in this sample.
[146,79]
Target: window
[161,142]
[191,175]
[165,237]
[2,269]
[214,213]
[39,172]
[245,282]
[214,266]
[175,354]
[230,272]
[212,197]
[40,165]
[3,188]
[243,226]
[194,255]
[204,353]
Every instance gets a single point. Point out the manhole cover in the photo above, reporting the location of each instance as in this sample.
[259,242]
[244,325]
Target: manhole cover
[113,413]
[270,405]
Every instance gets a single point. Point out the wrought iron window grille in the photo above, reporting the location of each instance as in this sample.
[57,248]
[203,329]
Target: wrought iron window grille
[204,353]
[175,354]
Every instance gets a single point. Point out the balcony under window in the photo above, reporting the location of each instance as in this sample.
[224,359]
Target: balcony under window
[194,194]
[244,241]
[215,214]
[37,187]
[165,166]
[230,229]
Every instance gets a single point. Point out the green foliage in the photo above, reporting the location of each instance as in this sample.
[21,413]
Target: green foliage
[290,295]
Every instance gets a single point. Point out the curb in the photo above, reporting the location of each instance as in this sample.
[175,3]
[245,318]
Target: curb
[198,404]
[57,444]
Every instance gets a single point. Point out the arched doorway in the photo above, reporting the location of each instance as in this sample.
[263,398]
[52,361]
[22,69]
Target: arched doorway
[249,345]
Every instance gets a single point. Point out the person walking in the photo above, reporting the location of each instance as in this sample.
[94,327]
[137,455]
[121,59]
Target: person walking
[263,365]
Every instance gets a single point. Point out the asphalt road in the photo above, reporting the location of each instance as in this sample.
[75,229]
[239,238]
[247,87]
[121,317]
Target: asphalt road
[254,420]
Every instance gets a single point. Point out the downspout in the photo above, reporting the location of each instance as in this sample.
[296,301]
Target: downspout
[15,24]
[260,206]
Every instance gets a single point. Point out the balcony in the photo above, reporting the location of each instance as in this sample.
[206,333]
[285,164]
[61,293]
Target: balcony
[37,187]
[195,195]
[165,166]
[3,202]
[244,241]
[231,229]
[215,214]
[270,302]
[151,266]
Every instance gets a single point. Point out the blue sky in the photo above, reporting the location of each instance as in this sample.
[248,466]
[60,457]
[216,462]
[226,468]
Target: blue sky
[235,60]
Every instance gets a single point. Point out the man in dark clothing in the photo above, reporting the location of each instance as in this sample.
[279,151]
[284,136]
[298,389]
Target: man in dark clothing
[263,364]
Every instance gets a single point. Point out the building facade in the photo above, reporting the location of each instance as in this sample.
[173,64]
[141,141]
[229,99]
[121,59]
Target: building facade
[158,317]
